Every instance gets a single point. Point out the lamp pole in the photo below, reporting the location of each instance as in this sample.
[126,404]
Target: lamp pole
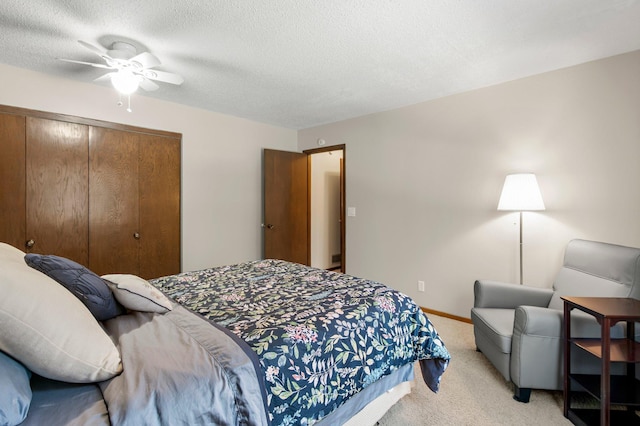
[521,283]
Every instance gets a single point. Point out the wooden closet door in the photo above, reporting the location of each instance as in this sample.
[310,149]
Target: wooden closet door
[159,206]
[57,188]
[12,180]
[113,201]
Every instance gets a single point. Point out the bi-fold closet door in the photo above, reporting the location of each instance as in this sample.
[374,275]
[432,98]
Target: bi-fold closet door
[44,186]
[107,198]
[134,203]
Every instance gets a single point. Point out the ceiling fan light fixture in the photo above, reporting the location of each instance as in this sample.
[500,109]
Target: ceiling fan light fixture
[128,69]
[125,82]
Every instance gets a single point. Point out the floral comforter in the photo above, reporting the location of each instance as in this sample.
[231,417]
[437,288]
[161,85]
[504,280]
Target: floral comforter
[319,336]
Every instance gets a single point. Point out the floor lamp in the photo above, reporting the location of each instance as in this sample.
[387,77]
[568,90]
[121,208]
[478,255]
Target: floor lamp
[521,193]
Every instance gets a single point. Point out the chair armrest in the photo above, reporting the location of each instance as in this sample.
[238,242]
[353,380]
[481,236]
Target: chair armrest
[494,294]
[547,322]
[538,321]
[536,348]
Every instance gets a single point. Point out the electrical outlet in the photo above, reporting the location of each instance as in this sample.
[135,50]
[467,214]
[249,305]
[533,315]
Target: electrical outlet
[420,285]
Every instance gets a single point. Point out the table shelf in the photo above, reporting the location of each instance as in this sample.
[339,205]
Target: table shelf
[591,417]
[617,395]
[622,350]
[624,390]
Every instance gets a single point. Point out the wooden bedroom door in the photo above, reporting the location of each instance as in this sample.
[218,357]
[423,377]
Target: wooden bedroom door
[286,206]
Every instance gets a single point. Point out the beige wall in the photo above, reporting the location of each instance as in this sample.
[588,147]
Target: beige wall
[221,159]
[426,179]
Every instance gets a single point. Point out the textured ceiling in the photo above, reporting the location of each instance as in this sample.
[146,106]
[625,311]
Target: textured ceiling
[301,63]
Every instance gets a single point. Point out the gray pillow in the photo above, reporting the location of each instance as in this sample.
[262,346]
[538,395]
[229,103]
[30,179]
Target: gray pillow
[84,284]
[15,391]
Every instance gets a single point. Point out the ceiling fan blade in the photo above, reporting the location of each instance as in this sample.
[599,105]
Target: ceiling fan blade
[165,77]
[94,49]
[105,77]
[148,85]
[87,63]
[146,60]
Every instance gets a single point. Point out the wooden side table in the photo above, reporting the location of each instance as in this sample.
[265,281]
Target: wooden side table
[619,390]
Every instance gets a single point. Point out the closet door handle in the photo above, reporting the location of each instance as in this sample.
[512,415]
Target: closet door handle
[136,235]
[30,243]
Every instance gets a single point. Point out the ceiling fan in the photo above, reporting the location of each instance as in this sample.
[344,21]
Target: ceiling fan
[130,69]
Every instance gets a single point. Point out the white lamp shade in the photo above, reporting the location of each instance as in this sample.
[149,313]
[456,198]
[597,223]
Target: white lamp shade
[521,192]
[125,82]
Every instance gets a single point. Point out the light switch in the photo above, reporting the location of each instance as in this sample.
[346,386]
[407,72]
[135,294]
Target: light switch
[351,211]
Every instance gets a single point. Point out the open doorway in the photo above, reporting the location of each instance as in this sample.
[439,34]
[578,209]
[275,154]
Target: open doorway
[326,208]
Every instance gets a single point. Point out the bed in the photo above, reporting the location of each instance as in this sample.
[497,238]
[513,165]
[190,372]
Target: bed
[258,343]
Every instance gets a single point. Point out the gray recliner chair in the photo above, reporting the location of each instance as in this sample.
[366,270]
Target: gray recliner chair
[519,328]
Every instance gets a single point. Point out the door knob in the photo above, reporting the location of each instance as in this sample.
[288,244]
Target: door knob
[136,235]
[270,226]
[30,243]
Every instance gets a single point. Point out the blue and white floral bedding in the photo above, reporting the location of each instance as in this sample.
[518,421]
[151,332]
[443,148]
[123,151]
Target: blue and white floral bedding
[319,337]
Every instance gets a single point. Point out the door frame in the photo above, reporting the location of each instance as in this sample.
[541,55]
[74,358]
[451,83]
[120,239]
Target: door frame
[343,228]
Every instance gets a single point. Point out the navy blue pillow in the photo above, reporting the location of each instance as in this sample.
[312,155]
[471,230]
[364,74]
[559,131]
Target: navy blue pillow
[15,392]
[84,284]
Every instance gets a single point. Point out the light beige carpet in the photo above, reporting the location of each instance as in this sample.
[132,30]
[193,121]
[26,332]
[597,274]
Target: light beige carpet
[472,392]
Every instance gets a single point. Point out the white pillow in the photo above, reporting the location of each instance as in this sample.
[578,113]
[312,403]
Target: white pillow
[137,294]
[46,328]
[9,252]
